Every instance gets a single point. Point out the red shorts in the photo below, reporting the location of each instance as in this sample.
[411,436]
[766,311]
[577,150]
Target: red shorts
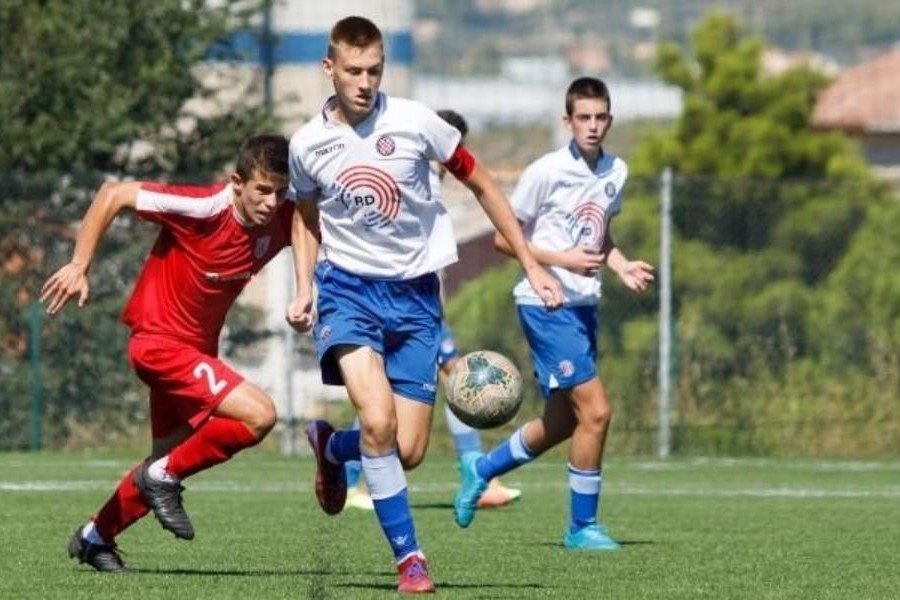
[186,384]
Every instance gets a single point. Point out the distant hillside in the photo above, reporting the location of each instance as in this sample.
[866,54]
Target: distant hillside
[462,39]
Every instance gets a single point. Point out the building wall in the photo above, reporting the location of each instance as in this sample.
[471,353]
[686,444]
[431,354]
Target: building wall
[882,150]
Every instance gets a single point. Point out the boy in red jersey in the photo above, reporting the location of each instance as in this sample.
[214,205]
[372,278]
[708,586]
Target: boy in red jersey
[213,240]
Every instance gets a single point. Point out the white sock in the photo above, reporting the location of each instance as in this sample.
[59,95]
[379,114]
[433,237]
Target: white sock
[91,534]
[158,471]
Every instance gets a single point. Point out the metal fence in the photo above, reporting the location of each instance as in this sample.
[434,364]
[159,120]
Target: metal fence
[772,328]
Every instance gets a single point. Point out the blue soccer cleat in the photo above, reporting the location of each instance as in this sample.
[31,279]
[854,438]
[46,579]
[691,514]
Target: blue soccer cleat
[589,537]
[471,488]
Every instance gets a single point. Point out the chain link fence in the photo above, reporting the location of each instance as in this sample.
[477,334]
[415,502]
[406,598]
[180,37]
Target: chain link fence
[785,337]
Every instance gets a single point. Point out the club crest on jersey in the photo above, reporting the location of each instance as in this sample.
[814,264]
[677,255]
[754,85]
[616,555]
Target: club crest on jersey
[587,225]
[385,145]
[262,244]
[370,195]
[610,189]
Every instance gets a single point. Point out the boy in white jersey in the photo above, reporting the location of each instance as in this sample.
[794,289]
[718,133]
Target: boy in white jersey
[465,438]
[360,173]
[565,201]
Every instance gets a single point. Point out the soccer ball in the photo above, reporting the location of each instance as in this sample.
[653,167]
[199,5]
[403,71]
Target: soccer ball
[484,389]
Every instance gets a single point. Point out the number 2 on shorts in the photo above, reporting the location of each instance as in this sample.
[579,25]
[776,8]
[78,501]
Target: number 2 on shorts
[202,369]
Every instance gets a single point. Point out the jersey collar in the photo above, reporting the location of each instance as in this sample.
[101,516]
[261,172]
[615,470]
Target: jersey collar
[575,153]
[235,212]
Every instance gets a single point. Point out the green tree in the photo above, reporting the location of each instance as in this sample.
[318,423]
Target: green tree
[766,213]
[82,83]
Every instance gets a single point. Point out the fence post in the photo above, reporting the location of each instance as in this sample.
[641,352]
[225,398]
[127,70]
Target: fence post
[34,355]
[288,443]
[665,314]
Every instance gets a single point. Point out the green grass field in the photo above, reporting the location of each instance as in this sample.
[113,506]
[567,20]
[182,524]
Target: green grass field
[691,529]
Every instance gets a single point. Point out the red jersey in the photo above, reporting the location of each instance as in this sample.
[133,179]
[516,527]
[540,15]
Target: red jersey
[202,259]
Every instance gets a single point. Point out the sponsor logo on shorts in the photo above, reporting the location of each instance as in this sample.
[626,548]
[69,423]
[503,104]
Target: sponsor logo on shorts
[448,346]
[566,368]
[324,333]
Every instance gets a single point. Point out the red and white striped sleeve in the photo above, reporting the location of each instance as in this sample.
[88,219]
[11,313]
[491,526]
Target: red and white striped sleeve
[178,204]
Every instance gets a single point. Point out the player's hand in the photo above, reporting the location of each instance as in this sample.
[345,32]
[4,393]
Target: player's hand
[301,312]
[546,286]
[67,283]
[583,261]
[636,275]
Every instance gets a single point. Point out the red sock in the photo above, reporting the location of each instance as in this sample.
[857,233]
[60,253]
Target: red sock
[123,508]
[214,442]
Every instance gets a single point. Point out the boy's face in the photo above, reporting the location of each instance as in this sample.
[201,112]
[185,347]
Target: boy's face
[356,75]
[589,122]
[258,198]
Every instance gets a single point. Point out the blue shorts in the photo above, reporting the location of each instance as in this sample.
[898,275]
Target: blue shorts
[563,345]
[399,319]
[448,349]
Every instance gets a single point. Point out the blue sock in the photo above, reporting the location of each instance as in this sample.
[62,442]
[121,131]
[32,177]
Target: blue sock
[343,446]
[465,439]
[584,489]
[507,456]
[352,468]
[387,485]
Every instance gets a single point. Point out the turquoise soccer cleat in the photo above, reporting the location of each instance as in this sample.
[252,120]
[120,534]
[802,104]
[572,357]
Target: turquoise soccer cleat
[590,537]
[471,488]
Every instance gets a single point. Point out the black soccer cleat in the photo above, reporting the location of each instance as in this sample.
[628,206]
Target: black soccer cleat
[164,498]
[102,557]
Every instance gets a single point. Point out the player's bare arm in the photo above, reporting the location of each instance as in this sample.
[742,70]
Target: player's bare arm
[635,274]
[71,280]
[305,241]
[498,210]
[577,259]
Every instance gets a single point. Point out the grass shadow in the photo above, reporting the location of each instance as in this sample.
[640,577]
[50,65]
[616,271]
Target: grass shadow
[234,572]
[432,505]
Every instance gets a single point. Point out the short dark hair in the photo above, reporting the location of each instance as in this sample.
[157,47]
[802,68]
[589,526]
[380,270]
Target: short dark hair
[455,119]
[586,87]
[357,32]
[265,153]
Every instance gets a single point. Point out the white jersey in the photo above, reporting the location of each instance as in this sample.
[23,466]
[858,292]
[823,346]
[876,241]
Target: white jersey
[442,241]
[378,216]
[564,204]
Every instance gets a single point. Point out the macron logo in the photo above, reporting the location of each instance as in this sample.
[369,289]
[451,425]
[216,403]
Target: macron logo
[400,540]
[329,149]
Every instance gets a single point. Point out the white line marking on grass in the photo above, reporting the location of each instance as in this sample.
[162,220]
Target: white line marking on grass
[449,487]
[780,464]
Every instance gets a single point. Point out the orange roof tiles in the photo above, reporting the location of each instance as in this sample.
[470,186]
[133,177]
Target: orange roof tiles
[863,98]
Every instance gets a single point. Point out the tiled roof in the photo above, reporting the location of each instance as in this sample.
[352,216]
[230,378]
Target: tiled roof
[865,98]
